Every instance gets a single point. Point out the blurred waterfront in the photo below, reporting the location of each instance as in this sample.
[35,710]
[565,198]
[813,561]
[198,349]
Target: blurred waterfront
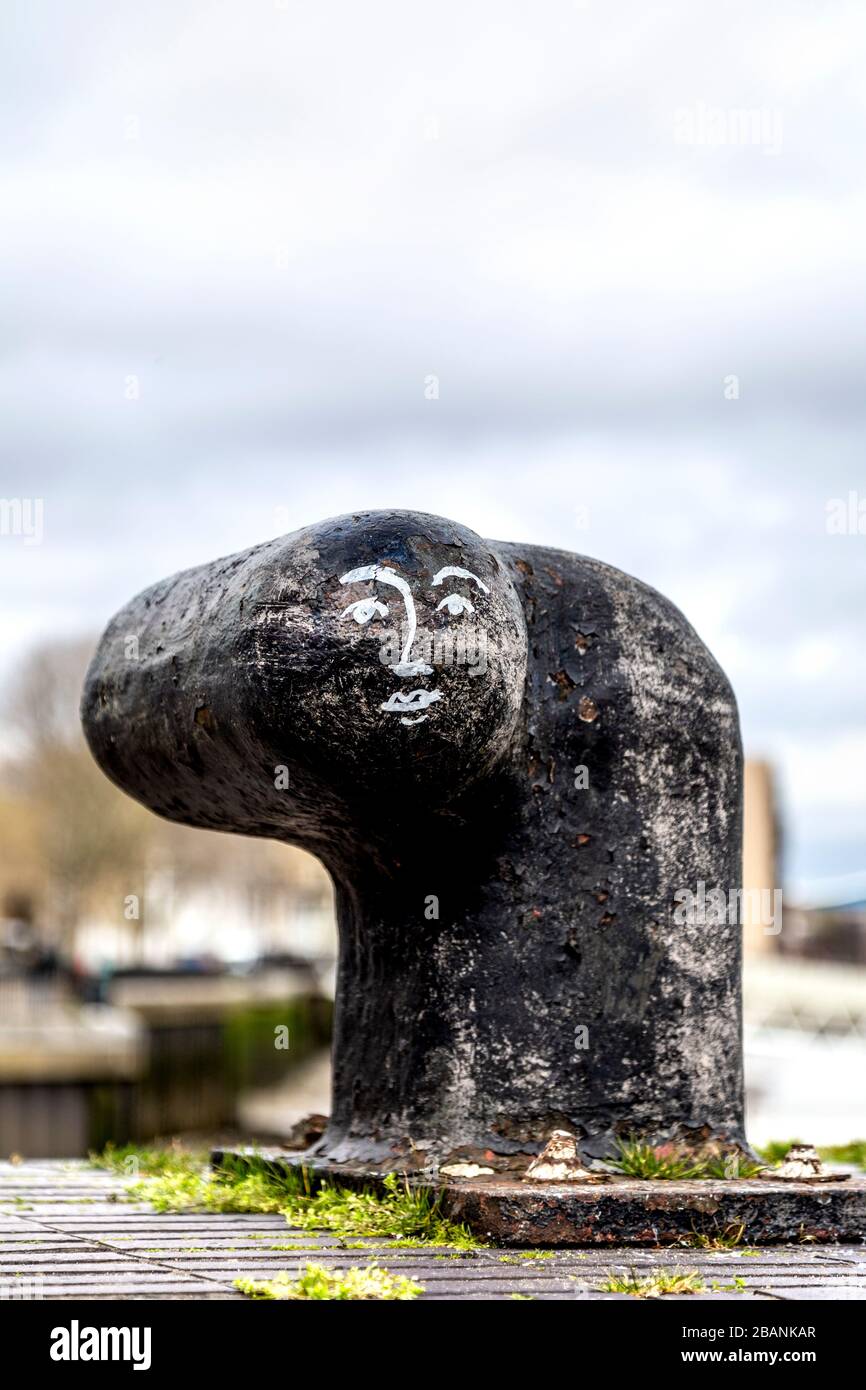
[156,979]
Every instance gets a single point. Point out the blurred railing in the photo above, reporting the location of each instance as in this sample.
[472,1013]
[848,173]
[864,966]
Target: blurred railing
[168,1052]
[26,999]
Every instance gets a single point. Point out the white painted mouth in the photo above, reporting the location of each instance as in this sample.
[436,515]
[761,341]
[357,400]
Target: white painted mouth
[410,702]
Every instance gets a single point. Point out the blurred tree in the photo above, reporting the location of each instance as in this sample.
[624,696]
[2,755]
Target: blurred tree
[78,848]
[92,841]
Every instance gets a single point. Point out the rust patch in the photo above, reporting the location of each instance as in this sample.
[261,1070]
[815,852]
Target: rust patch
[563,682]
[205,719]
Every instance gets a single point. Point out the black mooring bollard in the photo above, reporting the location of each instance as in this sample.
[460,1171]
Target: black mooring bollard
[512,760]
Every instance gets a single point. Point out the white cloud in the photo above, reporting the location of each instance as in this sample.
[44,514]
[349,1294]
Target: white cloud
[241,205]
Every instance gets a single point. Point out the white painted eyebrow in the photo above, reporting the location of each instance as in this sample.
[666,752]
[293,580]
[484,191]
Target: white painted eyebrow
[381,572]
[459,574]
[388,576]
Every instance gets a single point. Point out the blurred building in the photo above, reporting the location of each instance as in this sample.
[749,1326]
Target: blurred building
[804,993]
[761,854]
[264,903]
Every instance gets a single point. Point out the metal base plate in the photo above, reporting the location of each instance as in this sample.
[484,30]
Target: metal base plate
[625,1211]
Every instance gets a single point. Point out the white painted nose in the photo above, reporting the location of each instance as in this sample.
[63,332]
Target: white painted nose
[411,668]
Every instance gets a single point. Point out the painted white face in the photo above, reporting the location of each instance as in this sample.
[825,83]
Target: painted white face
[408,704]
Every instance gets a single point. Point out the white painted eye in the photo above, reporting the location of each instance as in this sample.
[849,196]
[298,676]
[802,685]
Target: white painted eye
[455,604]
[365,609]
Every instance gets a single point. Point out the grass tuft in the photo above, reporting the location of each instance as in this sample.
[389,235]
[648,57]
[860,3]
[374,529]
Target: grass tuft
[727,1239]
[668,1162]
[665,1161]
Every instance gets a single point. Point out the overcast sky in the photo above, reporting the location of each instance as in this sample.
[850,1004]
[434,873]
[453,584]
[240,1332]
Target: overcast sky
[239,239]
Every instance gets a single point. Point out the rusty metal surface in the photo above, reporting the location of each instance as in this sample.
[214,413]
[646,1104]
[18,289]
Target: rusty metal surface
[631,1212]
[66,1232]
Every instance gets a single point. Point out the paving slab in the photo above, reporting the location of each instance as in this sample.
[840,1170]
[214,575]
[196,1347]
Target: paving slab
[65,1246]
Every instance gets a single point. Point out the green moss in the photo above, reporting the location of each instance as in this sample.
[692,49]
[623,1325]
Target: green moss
[136,1161]
[293,1245]
[317,1282]
[255,1193]
[401,1213]
[407,1215]
[654,1285]
[526,1255]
